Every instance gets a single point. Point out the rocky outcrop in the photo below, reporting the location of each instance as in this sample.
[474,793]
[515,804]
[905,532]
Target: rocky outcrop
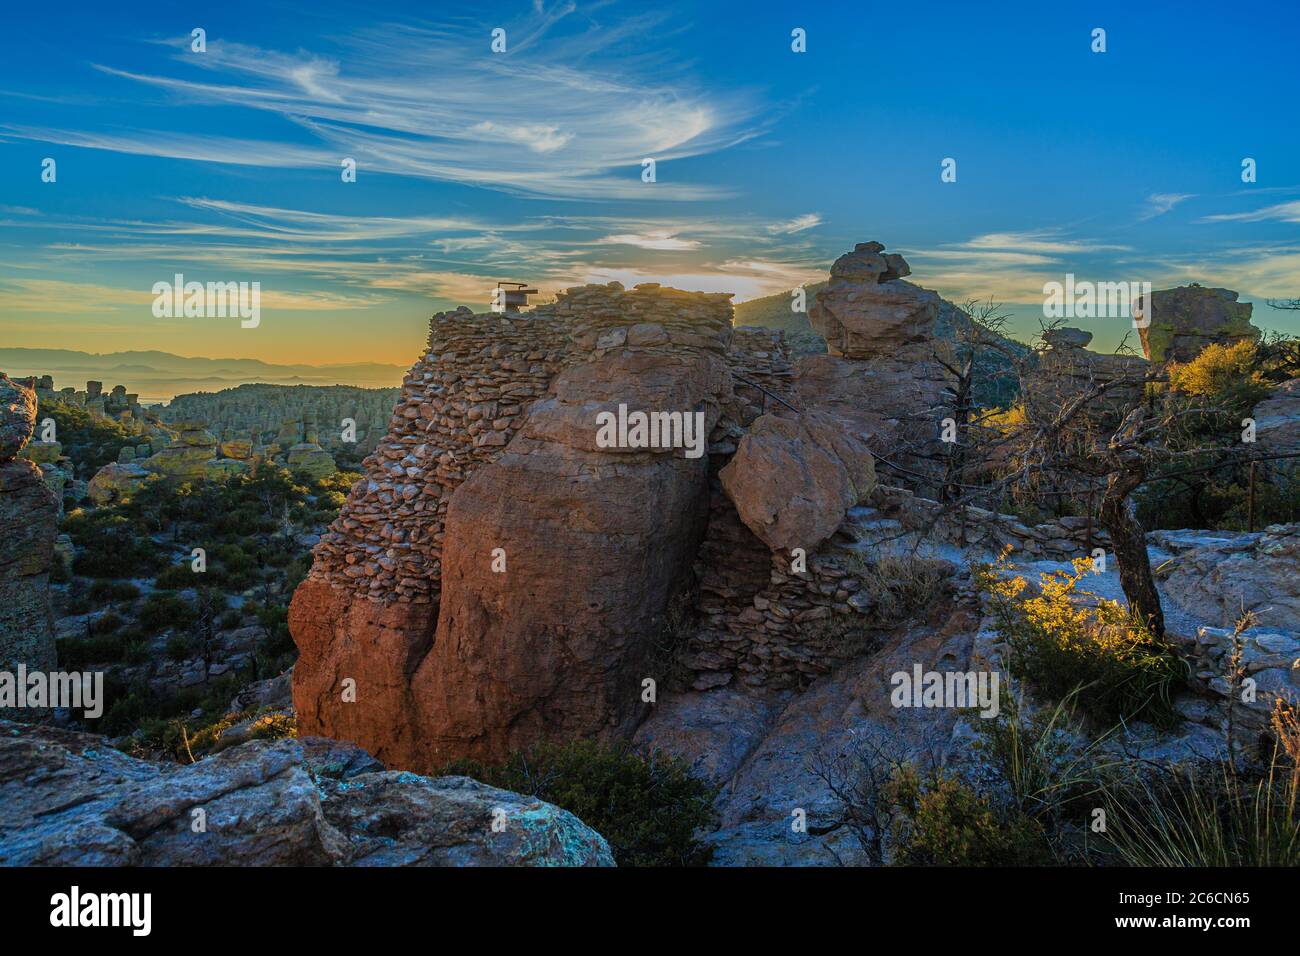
[17,417]
[1187,319]
[1066,369]
[1216,576]
[882,379]
[69,798]
[257,413]
[1277,420]
[116,482]
[188,455]
[492,480]
[794,479]
[29,514]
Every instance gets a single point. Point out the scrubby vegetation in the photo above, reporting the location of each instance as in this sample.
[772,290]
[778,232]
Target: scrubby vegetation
[91,442]
[649,808]
[942,822]
[147,606]
[1101,653]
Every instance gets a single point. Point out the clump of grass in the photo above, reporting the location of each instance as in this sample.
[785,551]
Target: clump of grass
[900,587]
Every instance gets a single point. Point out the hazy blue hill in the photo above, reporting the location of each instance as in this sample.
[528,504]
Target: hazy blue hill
[158,376]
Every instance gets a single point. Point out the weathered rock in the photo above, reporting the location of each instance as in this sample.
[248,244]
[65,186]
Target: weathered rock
[115,482]
[1277,419]
[311,459]
[187,456]
[494,446]
[1187,319]
[1067,338]
[793,479]
[1230,574]
[867,311]
[68,798]
[237,448]
[17,417]
[29,515]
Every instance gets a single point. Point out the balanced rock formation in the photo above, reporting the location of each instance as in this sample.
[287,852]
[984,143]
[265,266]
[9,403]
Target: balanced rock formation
[882,380]
[70,798]
[1185,320]
[29,513]
[188,455]
[311,459]
[865,310]
[794,479]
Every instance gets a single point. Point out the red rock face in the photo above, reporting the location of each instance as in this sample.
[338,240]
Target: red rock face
[377,646]
[555,561]
[556,646]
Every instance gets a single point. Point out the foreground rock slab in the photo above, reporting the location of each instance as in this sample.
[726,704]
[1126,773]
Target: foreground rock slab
[69,799]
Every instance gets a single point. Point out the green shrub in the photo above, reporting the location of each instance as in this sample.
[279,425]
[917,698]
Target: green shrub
[105,592]
[649,808]
[109,545]
[163,610]
[944,823]
[177,577]
[180,648]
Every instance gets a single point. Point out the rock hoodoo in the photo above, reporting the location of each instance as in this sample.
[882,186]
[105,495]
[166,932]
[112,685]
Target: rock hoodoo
[29,514]
[1187,319]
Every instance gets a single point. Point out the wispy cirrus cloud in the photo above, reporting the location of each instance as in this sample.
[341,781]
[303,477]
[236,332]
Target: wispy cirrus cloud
[1279,212]
[797,224]
[1157,204]
[571,118]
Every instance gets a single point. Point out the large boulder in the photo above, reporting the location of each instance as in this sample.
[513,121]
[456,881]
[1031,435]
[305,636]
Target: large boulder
[1185,320]
[311,459]
[559,558]
[116,482]
[70,799]
[793,479]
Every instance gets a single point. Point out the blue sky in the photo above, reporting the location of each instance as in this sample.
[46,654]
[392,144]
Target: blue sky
[475,166]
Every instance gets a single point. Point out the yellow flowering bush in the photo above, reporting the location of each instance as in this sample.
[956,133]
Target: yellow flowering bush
[1062,640]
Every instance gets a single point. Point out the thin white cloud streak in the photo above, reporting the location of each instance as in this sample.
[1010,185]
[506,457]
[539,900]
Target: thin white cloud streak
[571,118]
[1157,204]
[1282,212]
[798,224]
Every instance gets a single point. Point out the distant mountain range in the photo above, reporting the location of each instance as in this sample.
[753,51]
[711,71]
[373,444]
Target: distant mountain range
[158,376]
